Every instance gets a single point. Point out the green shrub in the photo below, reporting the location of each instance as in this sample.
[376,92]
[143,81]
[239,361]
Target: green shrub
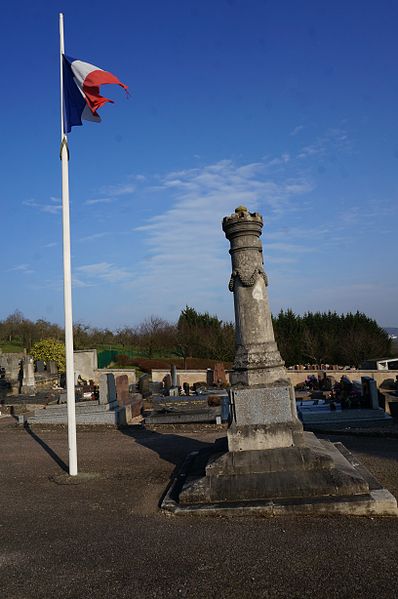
[50,349]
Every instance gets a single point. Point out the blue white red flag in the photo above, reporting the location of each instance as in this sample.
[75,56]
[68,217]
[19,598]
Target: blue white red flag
[81,83]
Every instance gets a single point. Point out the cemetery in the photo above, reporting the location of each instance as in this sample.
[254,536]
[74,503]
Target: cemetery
[225,457]
[198,330]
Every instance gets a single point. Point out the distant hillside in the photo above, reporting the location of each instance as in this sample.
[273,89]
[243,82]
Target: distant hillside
[392,331]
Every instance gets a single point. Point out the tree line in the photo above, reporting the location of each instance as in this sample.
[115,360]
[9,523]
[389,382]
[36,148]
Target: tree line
[320,337]
[330,338]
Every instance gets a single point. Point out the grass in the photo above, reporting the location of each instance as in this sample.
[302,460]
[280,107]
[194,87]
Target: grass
[11,347]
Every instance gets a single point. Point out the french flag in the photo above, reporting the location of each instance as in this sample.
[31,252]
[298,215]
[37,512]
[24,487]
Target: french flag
[81,83]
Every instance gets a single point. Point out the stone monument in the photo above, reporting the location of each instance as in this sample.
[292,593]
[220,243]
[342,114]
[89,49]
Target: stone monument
[269,464]
[262,398]
[28,376]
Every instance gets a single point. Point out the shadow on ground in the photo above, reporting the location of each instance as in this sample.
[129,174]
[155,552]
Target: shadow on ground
[46,448]
[169,447]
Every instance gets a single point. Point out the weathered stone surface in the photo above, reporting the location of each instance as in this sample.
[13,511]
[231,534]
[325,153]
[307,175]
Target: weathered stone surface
[256,347]
[263,418]
[173,373]
[263,412]
[122,389]
[143,385]
[28,379]
[219,377]
[317,469]
[52,367]
[167,382]
[137,407]
[107,388]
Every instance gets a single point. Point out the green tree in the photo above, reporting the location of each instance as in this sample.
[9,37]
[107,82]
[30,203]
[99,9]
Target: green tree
[204,336]
[289,334]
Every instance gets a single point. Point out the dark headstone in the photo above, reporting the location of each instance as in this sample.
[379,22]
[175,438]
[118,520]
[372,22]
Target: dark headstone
[40,366]
[52,367]
[137,407]
[143,385]
[122,389]
[107,388]
[173,373]
[219,377]
[167,382]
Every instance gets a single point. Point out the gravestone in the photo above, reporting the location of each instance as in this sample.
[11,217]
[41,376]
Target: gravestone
[167,382]
[370,392]
[122,390]
[28,376]
[107,389]
[143,385]
[219,377]
[40,366]
[173,373]
[52,367]
[270,462]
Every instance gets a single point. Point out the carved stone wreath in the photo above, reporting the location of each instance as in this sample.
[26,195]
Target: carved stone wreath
[247,280]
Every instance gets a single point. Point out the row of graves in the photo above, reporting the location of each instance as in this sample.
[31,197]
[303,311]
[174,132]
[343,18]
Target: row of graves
[113,402]
[177,402]
[20,374]
[34,392]
[323,399]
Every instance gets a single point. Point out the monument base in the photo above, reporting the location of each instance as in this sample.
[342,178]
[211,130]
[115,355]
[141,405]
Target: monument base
[316,477]
[263,418]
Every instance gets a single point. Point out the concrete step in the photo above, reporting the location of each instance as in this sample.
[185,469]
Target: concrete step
[98,418]
[82,408]
[56,406]
[183,417]
[346,417]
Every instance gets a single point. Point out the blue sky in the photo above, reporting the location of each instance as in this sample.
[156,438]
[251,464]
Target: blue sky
[287,107]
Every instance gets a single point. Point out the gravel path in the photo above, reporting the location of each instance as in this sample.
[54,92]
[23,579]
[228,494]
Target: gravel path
[105,537]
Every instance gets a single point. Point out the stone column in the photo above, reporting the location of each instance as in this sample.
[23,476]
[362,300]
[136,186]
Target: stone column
[257,359]
[174,379]
[28,378]
[263,402]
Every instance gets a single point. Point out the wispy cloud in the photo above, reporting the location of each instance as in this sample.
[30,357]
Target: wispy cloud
[118,190]
[334,139]
[112,193]
[186,248]
[296,130]
[21,268]
[53,208]
[94,201]
[95,236]
[103,272]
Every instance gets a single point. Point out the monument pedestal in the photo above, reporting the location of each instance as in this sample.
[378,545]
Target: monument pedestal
[317,477]
[263,418]
[269,465]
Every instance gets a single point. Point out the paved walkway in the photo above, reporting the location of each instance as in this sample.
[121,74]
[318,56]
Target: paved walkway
[105,538]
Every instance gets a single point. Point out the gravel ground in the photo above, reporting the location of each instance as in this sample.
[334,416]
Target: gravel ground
[106,537]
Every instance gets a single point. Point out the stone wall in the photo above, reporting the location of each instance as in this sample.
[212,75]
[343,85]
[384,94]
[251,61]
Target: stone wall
[299,376]
[116,372]
[85,363]
[185,376]
[296,376]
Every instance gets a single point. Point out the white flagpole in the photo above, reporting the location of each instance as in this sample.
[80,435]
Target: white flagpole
[70,376]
